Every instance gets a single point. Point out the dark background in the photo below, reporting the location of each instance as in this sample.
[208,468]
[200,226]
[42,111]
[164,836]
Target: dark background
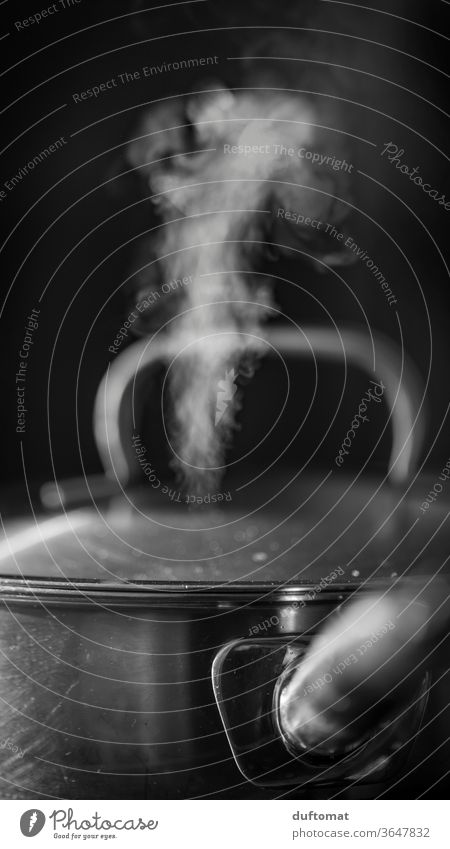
[77,195]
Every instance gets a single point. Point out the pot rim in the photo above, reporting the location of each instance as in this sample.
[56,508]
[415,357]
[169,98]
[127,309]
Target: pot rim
[144,593]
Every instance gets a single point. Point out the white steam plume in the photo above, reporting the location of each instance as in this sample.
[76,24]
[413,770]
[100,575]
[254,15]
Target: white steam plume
[226,202]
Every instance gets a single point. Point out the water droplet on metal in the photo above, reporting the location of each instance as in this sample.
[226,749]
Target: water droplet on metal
[259,556]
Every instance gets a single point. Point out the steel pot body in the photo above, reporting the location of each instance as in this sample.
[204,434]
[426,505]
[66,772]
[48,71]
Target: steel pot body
[109,695]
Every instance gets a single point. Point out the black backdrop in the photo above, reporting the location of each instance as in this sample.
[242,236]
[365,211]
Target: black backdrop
[62,201]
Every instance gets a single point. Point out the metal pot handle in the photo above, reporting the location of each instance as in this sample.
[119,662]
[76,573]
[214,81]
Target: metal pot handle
[114,403]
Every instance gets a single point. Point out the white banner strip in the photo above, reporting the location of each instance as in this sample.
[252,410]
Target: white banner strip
[223,824]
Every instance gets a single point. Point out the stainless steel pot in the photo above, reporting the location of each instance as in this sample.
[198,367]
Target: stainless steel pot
[144,645]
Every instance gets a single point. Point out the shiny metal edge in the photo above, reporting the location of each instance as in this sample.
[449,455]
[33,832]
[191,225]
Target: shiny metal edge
[81,593]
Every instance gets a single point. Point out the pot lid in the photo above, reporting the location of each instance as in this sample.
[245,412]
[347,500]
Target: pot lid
[316,530]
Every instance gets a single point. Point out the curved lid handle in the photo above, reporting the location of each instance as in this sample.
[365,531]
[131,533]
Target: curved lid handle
[119,391]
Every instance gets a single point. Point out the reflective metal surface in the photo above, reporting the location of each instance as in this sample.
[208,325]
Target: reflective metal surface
[106,647]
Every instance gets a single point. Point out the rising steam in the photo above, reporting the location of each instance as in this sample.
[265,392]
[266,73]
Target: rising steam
[218,168]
